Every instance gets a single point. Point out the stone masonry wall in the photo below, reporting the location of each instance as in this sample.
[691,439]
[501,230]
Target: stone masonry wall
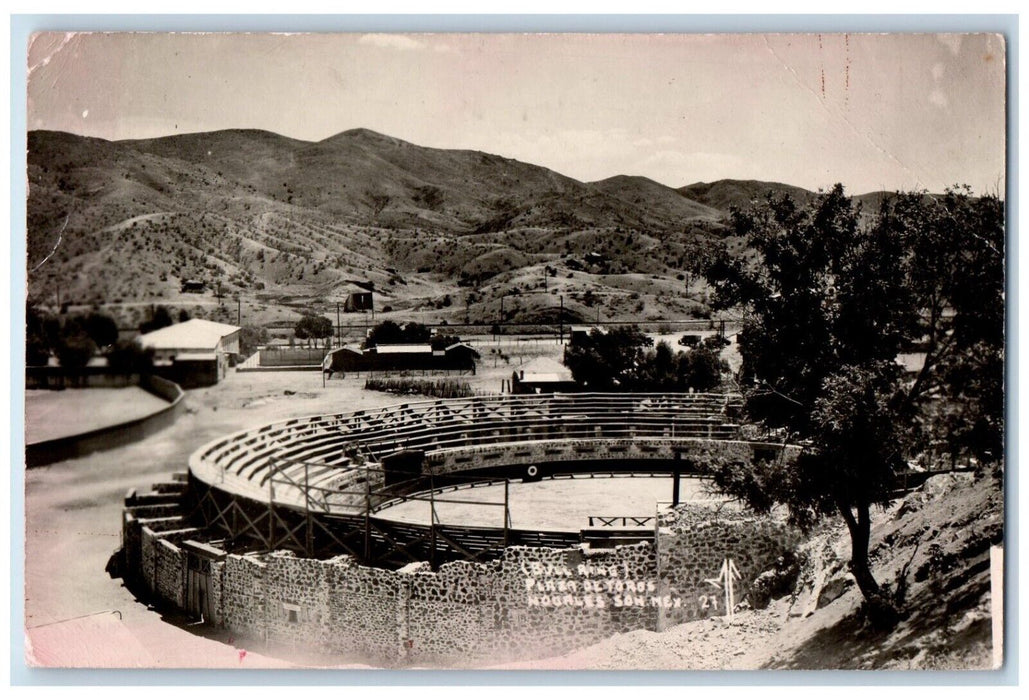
[170,573]
[162,563]
[692,550]
[529,603]
[241,604]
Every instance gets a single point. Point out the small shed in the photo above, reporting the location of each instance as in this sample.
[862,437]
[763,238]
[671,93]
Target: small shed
[360,297]
[542,376]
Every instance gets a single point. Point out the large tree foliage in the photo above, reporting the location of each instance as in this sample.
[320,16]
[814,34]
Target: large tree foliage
[625,359]
[128,356]
[607,360]
[101,328]
[251,338]
[161,318]
[311,327]
[392,333]
[831,299]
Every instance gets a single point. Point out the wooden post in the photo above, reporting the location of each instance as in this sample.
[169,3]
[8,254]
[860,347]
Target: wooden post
[432,522]
[507,511]
[561,321]
[367,517]
[309,538]
[675,480]
[271,508]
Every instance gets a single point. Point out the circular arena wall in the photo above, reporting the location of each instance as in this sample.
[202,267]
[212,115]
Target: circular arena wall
[274,533]
[314,485]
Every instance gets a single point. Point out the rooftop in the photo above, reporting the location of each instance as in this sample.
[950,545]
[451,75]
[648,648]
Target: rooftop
[194,334]
[544,369]
[404,348]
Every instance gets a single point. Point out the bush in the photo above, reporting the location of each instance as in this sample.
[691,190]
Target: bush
[251,338]
[436,388]
[75,351]
[775,583]
[129,357]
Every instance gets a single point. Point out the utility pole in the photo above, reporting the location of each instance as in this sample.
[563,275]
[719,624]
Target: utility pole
[239,311]
[561,320]
[339,329]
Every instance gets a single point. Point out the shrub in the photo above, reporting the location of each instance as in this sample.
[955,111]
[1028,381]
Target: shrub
[775,583]
[128,356]
[75,351]
[436,388]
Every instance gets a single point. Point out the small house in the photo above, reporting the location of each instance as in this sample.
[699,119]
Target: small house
[192,287]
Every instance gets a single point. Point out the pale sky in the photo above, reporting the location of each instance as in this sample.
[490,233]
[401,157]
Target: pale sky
[873,111]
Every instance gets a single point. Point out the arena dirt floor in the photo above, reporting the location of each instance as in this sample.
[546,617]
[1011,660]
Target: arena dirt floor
[550,504]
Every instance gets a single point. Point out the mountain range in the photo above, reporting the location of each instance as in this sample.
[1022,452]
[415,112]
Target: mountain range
[283,221]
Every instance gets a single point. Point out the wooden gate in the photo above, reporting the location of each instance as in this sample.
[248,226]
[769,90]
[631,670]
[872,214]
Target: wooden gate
[199,558]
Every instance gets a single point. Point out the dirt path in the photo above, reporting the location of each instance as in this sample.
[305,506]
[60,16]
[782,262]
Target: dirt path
[73,508]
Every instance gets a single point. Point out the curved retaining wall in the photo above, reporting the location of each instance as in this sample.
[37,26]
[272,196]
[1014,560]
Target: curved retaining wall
[50,451]
[526,602]
[531,603]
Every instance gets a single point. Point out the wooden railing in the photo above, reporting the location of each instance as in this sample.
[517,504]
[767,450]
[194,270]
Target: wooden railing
[457,423]
[621,520]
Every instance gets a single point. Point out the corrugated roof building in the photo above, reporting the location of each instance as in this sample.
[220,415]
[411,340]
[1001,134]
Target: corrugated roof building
[193,353]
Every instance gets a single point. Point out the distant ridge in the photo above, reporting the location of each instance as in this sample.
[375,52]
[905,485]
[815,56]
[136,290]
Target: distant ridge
[262,214]
[723,194]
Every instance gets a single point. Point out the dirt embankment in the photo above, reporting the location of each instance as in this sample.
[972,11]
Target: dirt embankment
[935,542]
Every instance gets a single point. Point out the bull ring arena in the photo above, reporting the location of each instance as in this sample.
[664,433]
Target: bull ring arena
[295,534]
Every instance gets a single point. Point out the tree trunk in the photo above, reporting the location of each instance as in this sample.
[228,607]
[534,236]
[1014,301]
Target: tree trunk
[860,528]
[883,612]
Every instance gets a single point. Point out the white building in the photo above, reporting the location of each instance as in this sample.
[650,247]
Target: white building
[193,353]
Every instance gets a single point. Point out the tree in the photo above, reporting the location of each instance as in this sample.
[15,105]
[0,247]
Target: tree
[829,304]
[129,357]
[701,369]
[161,318]
[101,328]
[251,338]
[311,327]
[608,360]
[75,351]
[38,340]
[391,333]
